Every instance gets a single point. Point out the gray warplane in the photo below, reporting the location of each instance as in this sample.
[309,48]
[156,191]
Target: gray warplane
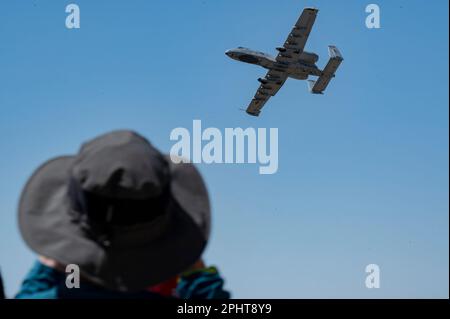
[292,61]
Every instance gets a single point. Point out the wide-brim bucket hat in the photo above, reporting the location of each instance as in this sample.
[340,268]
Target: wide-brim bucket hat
[125,213]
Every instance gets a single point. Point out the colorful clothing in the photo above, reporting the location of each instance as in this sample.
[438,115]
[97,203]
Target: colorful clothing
[43,282]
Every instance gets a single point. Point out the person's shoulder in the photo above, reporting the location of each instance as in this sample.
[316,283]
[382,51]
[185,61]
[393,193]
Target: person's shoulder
[40,282]
[204,283]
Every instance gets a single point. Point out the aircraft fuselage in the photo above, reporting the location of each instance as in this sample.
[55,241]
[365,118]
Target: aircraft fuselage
[299,70]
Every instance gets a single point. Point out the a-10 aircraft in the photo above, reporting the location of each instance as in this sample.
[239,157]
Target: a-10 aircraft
[292,61]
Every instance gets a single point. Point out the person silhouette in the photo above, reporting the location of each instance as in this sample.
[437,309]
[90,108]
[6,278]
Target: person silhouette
[134,223]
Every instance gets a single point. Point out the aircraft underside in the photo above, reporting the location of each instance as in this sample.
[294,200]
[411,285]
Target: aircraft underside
[292,61]
[299,71]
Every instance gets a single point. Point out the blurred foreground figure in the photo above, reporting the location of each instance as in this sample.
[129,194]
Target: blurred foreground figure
[134,223]
[2,292]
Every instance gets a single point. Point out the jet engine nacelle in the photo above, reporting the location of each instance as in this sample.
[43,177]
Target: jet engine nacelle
[309,57]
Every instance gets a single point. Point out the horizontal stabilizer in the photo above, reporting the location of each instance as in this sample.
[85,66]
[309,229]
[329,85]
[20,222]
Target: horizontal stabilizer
[317,87]
[311,84]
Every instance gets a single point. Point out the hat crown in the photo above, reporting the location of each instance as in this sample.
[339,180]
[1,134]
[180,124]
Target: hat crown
[121,164]
[62,214]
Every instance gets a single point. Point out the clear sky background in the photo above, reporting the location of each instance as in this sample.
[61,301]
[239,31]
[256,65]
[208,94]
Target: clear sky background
[363,169]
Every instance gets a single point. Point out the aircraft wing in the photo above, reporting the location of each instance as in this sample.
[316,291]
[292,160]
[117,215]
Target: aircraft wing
[270,85]
[295,42]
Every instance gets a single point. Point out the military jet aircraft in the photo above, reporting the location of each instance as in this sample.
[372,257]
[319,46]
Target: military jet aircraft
[291,62]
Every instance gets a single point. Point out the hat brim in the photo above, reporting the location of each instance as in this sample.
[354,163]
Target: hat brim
[48,227]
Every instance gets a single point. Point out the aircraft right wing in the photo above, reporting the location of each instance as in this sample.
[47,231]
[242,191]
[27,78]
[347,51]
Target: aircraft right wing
[270,85]
[296,41]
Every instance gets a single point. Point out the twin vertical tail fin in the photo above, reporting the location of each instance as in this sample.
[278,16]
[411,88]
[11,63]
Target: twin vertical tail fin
[318,86]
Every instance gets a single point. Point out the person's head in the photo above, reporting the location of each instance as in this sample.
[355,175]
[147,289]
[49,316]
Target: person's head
[120,210]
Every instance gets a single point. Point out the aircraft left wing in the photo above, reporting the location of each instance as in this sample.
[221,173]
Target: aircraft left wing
[270,85]
[296,41]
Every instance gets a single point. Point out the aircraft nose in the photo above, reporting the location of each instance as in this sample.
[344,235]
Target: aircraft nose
[228,53]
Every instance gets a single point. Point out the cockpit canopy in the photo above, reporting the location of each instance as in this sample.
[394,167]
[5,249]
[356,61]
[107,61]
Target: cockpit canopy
[250,50]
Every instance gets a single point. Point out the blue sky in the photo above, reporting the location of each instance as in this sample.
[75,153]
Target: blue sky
[363,169]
